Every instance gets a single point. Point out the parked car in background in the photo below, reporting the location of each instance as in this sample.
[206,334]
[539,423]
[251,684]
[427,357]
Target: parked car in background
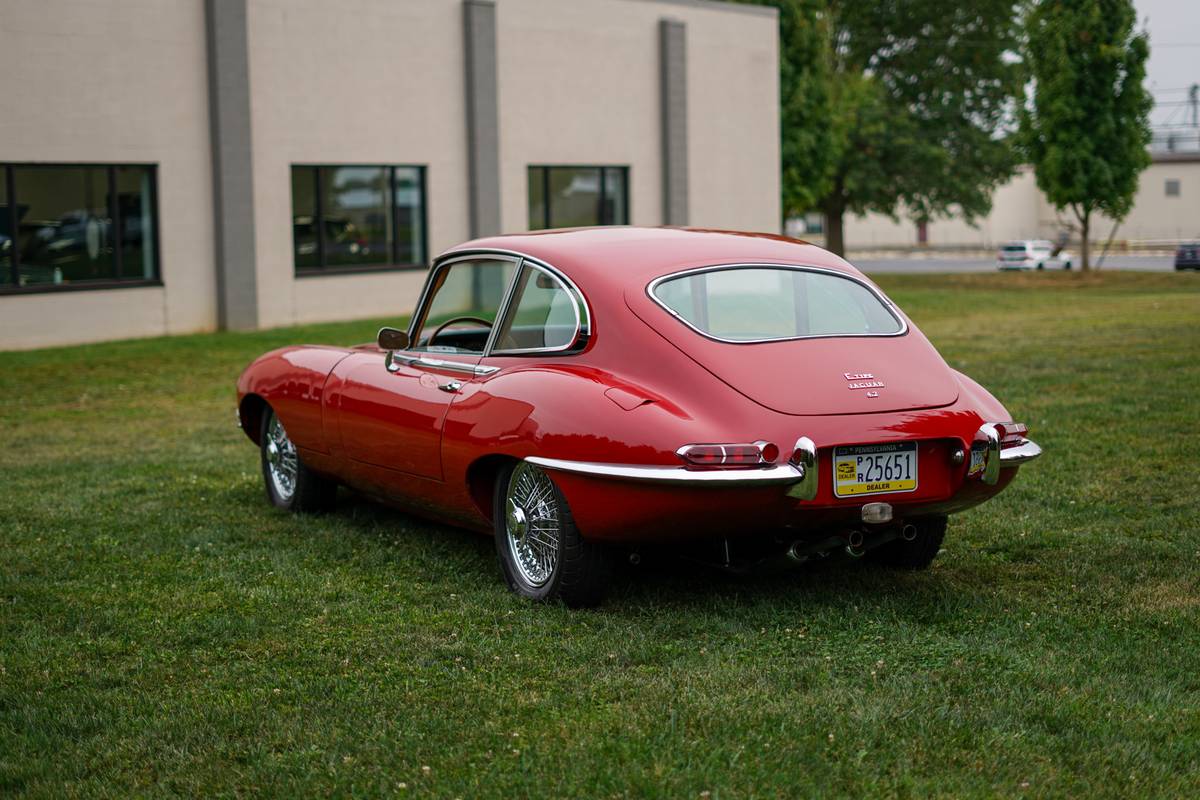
[579,392]
[1033,254]
[1187,255]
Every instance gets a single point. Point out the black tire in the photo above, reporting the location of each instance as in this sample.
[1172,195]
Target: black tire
[917,554]
[1041,266]
[1067,266]
[581,570]
[311,492]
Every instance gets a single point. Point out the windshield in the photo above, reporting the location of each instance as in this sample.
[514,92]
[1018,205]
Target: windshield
[747,304]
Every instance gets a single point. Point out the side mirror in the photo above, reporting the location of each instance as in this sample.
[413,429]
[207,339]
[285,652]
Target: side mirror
[392,339]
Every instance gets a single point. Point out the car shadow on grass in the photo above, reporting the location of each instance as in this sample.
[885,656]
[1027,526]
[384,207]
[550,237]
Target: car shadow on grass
[665,578]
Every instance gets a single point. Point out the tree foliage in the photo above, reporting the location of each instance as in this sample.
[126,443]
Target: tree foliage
[1087,127]
[896,105]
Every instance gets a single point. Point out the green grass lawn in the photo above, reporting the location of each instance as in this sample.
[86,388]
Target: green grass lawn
[164,631]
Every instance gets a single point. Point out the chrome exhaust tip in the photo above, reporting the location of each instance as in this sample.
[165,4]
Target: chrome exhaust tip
[854,544]
[908,533]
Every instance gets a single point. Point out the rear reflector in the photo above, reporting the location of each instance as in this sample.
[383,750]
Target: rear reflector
[718,456]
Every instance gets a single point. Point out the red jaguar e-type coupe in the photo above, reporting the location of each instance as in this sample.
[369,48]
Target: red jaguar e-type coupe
[573,390]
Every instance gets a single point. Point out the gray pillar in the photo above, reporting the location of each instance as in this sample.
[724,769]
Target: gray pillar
[233,184]
[483,143]
[673,62]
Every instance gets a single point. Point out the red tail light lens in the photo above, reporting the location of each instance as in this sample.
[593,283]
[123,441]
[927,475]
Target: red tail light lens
[720,456]
[1011,433]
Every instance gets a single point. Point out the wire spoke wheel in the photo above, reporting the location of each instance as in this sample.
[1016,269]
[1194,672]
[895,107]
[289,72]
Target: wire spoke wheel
[532,524]
[282,462]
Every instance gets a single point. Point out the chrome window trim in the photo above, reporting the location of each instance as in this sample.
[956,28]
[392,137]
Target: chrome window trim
[583,324]
[578,295]
[439,264]
[508,306]
[888,305]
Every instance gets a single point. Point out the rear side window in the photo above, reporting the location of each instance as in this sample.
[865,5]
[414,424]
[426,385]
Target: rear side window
[1014,248]
[750,304]
[542,316]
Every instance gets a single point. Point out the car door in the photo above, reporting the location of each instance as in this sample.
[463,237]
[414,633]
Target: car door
[391,407]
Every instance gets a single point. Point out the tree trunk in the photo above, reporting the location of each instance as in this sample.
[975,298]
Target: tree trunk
[835,241]
[1085,263]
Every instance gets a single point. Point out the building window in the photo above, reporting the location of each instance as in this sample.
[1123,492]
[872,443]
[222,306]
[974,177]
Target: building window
[77,226]
[571,197]
[357,217]
[1172,187]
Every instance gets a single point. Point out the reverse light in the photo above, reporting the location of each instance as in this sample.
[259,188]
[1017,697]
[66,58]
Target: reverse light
[724,456]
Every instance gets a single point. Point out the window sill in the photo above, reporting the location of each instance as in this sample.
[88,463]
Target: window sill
[317,272]
[93,286]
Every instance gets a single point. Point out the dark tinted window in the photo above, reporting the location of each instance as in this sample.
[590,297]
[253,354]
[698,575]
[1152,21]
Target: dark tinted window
[357,216]
[571,197]
[66,225]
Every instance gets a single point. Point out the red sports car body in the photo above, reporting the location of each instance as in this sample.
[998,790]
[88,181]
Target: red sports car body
[572,390]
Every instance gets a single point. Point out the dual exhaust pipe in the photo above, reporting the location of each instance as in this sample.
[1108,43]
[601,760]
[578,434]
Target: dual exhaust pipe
[853,542]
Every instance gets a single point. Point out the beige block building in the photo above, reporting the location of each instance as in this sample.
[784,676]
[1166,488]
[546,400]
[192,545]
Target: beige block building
[170,166]
[1166,210]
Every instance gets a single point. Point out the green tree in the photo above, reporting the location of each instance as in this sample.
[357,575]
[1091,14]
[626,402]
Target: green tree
[808,143]
[890,106]
[1087,126]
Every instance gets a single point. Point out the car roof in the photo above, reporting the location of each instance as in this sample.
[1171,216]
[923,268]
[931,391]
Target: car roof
[619,256]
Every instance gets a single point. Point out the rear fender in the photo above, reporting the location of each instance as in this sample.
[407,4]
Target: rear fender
[574,413]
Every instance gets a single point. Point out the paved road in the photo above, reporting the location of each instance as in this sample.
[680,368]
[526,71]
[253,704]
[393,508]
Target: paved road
[937,263]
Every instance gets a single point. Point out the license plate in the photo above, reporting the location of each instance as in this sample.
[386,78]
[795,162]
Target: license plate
[874,469]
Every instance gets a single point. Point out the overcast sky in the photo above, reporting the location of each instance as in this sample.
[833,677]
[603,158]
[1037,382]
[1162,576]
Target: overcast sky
[1174,27]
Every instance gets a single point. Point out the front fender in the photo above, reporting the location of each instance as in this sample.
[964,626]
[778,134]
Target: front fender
[291,381]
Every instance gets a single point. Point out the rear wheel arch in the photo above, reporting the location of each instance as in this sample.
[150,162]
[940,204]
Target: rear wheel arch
[250,414]
[482,475]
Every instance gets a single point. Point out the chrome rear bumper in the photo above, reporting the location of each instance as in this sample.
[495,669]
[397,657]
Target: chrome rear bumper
[988,456]
[800,472]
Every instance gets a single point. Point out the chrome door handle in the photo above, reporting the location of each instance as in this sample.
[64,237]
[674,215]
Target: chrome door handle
[450,386]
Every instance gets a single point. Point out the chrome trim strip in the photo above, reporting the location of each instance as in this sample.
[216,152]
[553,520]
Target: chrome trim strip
[1023,453]
[804,457]
[888,305]
[778,475]
[436,363]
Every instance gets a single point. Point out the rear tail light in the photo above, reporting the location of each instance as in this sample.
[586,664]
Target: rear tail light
[723,456]
[1011,433]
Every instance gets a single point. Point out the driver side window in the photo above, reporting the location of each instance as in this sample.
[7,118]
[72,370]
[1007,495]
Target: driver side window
[464,301]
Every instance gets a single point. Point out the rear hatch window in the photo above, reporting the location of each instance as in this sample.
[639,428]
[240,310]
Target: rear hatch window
[798,340]
[754,304]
